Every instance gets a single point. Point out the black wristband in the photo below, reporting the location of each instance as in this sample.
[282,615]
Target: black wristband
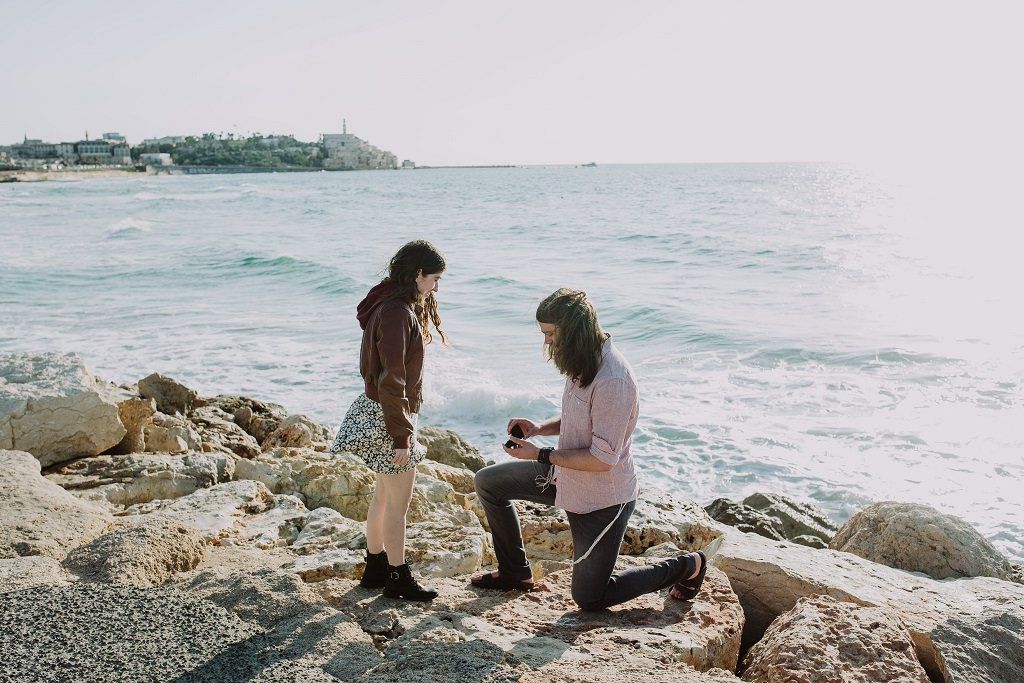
[544,456]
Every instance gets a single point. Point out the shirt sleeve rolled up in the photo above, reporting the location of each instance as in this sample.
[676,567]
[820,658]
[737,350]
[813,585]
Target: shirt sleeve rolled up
[613,411]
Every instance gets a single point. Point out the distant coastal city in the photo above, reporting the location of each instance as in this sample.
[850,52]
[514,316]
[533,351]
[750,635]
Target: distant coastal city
[35,159]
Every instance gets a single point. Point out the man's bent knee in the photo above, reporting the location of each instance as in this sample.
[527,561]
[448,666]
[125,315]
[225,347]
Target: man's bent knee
[483,480]
[588,601]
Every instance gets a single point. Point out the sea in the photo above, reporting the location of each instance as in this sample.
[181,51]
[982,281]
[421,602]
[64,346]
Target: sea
[837,334]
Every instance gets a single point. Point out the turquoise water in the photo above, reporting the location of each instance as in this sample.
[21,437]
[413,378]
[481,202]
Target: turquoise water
[794,328]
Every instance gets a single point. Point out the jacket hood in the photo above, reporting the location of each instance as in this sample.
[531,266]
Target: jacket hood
[374,298]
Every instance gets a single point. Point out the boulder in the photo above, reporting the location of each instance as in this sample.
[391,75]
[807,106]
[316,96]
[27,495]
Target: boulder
[919,538]
[141,477]
[143,555]
[745,518]
[824,639]
[39,517]
[171,397]
[448,447]
[135,414]
[292,432]
[969,629]
[257,418]
[796,517]
[329,545]
[219,432]
[20,573]
[170,434]
[460,478]
[52,406]
[276,527]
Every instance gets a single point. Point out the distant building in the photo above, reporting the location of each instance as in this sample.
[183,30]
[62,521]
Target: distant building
[34,149]
[95,152]
[155,159]
[113,137]
[408,164]
[349,153]
[167,140]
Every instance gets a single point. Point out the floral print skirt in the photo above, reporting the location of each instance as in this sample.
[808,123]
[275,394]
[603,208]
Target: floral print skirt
[363,432]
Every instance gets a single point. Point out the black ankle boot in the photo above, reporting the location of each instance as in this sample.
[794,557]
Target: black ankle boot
[375,572]
[401,584]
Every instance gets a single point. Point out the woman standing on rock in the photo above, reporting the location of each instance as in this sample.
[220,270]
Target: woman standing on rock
[381,424]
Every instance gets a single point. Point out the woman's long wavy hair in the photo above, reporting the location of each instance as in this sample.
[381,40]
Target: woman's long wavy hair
[416,256]
[576,349]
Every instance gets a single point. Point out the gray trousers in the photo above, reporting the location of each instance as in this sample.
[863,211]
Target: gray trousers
[594,587]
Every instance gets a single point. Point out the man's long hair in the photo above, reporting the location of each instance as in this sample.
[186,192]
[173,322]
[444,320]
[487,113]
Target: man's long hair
[416,256]
[576,349]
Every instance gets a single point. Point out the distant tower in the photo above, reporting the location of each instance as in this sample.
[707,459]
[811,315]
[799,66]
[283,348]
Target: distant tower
[87,136]
[344,126]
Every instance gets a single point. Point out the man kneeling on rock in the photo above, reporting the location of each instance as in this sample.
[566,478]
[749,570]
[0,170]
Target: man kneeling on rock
[590,475]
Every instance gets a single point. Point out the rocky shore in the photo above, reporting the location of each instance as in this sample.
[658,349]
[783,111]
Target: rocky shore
[151,534]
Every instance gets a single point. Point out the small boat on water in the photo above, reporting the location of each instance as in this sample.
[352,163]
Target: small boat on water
[589,164]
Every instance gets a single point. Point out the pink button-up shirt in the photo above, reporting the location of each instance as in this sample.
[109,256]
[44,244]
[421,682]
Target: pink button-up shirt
[600,416]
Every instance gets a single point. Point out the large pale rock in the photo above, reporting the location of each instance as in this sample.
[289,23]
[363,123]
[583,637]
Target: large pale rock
[20,573]
[448,447]
[822,639]
[219,432]
[919,538]
[135,413]
[448,547]
[143,555]
[219,512]
[328,546]
[797,518]
[171,396]
[39,517]
[968,629]
[142,477]
[170,434]
[53,407]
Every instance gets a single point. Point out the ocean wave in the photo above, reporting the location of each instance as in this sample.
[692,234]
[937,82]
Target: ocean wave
[128,227]
[317,276]
[773,358]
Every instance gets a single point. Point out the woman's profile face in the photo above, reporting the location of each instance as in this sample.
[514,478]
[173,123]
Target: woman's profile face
[427,283]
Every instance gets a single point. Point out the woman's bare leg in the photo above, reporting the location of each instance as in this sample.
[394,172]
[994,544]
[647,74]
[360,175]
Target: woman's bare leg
[398,495]
[375,517]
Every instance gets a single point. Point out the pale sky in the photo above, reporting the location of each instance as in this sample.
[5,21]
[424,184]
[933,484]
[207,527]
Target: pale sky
[529,82]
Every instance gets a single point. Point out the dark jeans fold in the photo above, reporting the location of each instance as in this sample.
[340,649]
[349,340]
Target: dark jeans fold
[594,586]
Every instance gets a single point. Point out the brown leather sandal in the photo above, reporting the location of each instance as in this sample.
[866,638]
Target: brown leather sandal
[688,588]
